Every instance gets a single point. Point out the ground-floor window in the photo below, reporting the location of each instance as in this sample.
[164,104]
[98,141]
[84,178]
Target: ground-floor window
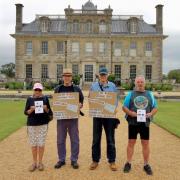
[75,69]
[132,72]
[44,71]
[117,71]
[148,74]
[28,70]
[59,71]
[88,74]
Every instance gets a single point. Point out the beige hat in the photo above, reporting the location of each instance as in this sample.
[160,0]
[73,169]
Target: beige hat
[67,71]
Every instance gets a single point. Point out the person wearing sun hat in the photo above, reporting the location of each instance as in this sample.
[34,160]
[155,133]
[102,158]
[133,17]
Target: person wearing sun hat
[37,124]
[68,125]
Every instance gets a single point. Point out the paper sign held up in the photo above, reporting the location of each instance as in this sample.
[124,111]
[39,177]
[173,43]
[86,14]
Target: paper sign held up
[66,105]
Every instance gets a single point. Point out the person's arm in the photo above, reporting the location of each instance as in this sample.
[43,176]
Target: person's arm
[28,108]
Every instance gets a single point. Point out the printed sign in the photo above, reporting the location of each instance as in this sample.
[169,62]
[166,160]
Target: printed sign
[66,105]
[38,107]
[141,115]
[102,104]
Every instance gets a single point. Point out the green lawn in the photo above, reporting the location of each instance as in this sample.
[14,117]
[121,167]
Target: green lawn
[11,116]
[168,116]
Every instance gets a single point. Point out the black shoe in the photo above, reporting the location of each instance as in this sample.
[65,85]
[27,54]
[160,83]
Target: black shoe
[148,170]
[59,164]
[127,167]
[74,164]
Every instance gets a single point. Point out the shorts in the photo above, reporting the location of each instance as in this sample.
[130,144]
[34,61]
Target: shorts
[141,128]
[37,135]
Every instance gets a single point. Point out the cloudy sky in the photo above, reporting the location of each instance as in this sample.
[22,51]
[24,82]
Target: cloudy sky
[171,16]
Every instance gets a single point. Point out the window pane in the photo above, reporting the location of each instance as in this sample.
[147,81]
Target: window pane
[88,27]
[148,72]
[102,48]
[133,27]
[117,49]
[88,73]
[132,72]
[76,26]
[148,46]
[44,47]
[117,71]
[60,47]
[44,71]
[29,47]
[28,70]
[75,47]
[102,27]
[75,69]
[59,71]
[88,48]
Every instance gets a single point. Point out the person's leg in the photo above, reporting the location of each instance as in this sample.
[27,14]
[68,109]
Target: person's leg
[61,139]
[96,145]
[145,150]
[130,149]
[110,139]
[34,150]
[74,138]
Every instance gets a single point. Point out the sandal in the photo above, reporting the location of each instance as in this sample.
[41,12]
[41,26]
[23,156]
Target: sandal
[41,167]
[32,167]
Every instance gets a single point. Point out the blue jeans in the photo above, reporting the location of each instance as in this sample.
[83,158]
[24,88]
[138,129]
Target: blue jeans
[98,124]
[70,126]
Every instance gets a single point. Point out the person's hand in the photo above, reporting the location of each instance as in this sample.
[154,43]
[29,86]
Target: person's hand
[32,108]
[148,115]
[80,105]
[133,114]
[45,108]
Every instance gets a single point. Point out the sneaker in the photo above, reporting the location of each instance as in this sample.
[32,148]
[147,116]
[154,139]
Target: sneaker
[148,170]
[127,167]
[41,167]
[32,167]
[113,166]
[59,164]
[93,165]
[74,164]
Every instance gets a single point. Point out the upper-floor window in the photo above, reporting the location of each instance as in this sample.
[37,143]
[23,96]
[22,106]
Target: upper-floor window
[60,47]
[133,49]
[102,27]
[88,26]
[75,26]
[102,48]
[117,49]
[29,47]
[148,48]
[133,26]
[45,24]
[75,47]
[44,47]
[89,48]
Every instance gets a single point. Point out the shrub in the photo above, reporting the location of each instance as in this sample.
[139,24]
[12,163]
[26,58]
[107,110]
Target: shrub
[76,79]
[111,78]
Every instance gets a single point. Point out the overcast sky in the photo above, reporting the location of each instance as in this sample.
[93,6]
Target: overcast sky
[171,16]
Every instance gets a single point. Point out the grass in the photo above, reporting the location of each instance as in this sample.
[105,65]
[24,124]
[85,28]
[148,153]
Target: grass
[168,116]
[11,117]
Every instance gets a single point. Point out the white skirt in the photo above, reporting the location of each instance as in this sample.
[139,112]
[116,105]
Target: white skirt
[37,134]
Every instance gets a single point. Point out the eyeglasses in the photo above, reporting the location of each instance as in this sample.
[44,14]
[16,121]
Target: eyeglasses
[38,90]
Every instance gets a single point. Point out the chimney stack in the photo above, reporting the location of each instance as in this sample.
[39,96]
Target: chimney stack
[19,14]
[159,18]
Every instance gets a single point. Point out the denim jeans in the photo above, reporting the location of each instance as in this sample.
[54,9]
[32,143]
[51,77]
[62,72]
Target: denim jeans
[98,124]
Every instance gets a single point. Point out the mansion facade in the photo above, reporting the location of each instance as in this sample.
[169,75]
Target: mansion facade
[85,40]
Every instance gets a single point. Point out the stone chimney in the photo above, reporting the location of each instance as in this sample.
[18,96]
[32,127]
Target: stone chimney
[159,18]
[19,14]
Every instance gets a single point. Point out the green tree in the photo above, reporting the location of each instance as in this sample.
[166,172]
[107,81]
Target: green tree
[8,70]
[174,74]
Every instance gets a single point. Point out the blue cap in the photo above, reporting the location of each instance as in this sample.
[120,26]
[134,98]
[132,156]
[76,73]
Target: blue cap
[103,70]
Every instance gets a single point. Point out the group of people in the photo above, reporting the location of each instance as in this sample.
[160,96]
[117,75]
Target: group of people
[37,124]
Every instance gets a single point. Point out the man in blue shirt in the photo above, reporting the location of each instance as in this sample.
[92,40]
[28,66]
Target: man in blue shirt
[108,123]
[139,99]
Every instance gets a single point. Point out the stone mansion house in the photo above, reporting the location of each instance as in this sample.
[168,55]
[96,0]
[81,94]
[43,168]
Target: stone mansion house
[86,39]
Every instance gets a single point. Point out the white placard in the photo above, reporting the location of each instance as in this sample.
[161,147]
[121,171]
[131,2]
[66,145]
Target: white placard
[72,107]
[141,115]
[38,107]
[109,107]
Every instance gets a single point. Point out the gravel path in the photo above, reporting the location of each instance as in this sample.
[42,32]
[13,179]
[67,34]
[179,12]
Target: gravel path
[15,156]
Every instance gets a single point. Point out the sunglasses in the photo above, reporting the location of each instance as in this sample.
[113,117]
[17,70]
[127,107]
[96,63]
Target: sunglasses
[38,90]
[67,75]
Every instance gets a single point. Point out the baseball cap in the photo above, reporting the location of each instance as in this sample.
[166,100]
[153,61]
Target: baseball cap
[103,70]
[38,86]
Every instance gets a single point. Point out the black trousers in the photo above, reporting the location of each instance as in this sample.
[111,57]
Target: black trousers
[108,124]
